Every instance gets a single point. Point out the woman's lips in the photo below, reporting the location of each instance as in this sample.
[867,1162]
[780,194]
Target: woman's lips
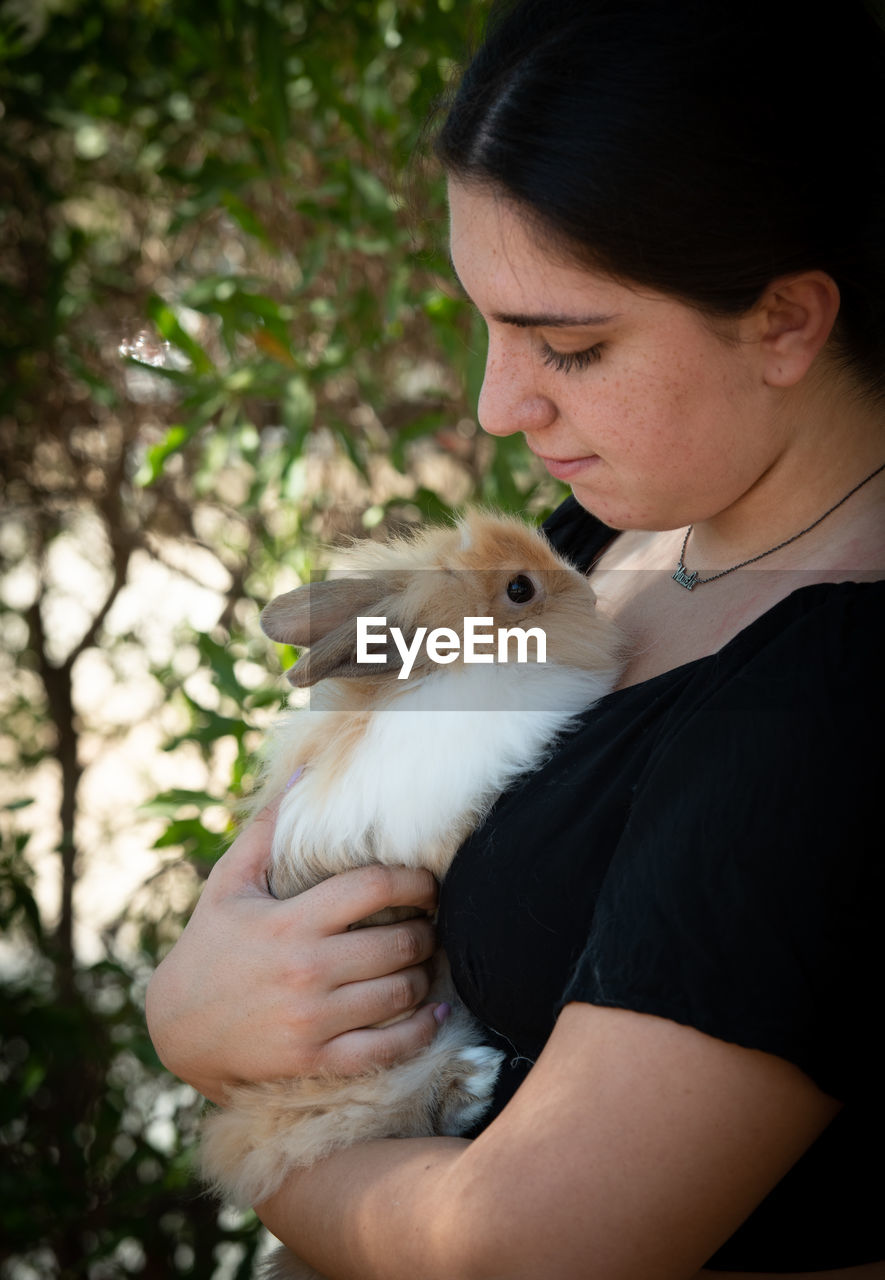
[565,468]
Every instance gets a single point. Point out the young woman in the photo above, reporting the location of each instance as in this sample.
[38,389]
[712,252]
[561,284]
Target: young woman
[670,218]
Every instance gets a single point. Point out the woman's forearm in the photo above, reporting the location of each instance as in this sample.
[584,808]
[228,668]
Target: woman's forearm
[380,1209]
[634,1148]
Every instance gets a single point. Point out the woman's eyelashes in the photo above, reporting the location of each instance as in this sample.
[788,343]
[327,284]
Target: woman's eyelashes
[571,361]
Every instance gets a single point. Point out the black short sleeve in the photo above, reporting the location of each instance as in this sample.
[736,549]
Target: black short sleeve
[744,896]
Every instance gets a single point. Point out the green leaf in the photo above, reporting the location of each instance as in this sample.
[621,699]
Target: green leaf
[168,327]
[298,408]
[168,803]
[245,218]
[196,839]
[157,456]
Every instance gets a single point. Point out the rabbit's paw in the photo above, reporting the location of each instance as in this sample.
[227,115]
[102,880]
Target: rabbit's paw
[467,1088]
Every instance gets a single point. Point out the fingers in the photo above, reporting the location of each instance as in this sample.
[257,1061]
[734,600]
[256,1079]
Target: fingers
[353,895]
[377,951]
[357,1051]
[303,991]
[336,903]
[365,1004]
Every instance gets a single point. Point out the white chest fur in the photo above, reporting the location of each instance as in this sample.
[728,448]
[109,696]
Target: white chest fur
[422,769]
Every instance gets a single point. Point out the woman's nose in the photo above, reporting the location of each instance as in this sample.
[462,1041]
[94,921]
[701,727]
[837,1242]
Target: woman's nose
[509,400]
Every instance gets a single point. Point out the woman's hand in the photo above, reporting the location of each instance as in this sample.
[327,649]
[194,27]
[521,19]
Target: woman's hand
[258,988]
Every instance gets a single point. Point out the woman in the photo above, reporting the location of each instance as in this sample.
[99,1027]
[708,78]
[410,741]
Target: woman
[668,217]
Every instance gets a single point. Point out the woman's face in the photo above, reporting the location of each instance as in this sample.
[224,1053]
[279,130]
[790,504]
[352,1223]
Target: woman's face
[653,419]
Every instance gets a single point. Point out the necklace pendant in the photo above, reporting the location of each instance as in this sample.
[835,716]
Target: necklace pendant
[684,578]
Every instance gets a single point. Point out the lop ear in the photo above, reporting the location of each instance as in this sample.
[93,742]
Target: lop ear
[322,617]
[307,614]
[335,657]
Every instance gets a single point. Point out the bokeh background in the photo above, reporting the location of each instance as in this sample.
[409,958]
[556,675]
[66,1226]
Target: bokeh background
[229,341]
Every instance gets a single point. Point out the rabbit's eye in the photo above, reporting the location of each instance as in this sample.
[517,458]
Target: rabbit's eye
[520,589]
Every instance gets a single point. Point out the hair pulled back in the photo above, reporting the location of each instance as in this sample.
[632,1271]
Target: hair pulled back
[699,147]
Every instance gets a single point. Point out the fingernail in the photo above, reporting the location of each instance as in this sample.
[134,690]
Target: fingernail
[295,776]
[441,1012]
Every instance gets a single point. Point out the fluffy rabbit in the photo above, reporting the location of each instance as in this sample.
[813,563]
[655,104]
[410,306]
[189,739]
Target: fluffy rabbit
[398,771]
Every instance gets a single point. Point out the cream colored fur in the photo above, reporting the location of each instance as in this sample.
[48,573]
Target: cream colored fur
[399,772]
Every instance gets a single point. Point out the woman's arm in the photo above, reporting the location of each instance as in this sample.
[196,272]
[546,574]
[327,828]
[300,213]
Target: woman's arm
[258,988]
[635,1148]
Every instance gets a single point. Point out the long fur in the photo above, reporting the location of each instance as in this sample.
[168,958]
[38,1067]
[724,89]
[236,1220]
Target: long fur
[399,772]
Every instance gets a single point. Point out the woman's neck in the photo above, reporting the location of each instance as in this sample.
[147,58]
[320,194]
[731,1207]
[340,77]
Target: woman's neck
[820,499]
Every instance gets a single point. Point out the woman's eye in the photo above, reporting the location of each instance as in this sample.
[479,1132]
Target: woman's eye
[570,361]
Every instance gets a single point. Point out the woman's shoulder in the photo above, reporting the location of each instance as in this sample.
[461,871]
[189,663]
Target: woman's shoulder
[823,639]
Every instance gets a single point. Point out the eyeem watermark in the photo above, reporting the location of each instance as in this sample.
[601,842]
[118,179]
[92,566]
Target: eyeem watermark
[444,645]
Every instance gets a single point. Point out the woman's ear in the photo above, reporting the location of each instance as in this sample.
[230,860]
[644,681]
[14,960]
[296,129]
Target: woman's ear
[793,320]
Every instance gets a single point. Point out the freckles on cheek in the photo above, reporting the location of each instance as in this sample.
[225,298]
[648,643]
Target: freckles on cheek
[637,425]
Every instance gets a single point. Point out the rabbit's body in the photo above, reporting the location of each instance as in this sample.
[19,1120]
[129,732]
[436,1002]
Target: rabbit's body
[399,772]
[404,784]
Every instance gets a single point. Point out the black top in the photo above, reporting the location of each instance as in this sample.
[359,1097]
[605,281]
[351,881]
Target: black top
[707,847]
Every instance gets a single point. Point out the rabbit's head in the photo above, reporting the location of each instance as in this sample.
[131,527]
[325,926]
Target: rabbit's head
[489,567]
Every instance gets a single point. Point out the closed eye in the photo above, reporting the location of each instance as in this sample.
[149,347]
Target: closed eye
[571,361]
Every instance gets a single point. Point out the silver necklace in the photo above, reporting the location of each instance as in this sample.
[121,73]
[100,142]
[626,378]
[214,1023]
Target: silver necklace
[691,580]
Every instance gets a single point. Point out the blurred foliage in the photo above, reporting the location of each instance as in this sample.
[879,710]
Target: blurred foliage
[228,339]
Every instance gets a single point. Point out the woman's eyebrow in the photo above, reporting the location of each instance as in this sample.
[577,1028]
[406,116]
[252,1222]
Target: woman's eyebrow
[543,320]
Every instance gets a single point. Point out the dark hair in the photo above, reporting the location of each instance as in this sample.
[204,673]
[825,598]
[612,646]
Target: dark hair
[700,147]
